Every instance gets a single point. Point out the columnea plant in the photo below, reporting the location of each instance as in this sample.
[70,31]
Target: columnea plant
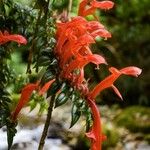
[64,78]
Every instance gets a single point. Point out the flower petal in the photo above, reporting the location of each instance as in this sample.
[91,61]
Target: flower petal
[82,7]
[133,71]
[117,92]
[96,59]
[102,33]
[94,25]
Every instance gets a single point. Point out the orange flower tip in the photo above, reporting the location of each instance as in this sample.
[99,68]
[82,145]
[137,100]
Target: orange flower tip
[107,35]
[90,135]
[24,41]
[103,4]
[133,71]
[21,40]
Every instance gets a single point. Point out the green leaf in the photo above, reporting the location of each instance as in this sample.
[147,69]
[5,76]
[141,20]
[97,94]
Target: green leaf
[88,120]
[60,4]
[53,62]
[48,75]
[65,87]
[11,131]
[61,99]
[32,104]
[40,4]
[44,61]
[46,51]
[53,88]
[75,115]
[43,107]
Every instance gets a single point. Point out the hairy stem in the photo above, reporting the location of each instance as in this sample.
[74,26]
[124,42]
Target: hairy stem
[47,123]
[69,7]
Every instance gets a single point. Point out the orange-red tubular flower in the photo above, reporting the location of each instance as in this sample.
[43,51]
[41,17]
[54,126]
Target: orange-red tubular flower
[80,62]
[75,48]
[93,5]
[94,25]
[102,4]
[25,95]
[64,32]
[43,90]
[82,7]
[108,81]
[95,133]
[6,37]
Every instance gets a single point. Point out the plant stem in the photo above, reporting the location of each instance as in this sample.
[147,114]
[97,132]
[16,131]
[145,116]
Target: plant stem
[69,7]
[32,48]
[47,123]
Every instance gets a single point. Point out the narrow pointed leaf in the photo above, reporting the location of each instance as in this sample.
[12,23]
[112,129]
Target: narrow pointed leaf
[11,131]
[61,99]
[75,115]
[54,88]
[48,75]
[44,61]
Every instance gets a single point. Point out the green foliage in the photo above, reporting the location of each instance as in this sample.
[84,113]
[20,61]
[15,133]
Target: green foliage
[5,100]
[60,4]
[112,136]
[75,114]
[135,118]
[36,100]
[61,99]
[64,95]
[17,18]
[11,131]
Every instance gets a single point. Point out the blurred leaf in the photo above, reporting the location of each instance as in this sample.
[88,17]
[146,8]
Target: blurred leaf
[44,61]
[11,131]
[60,4]
[43,107]
[61,99]
[75,115]
[32,104]
[53,88]
[40,4]
[48,75]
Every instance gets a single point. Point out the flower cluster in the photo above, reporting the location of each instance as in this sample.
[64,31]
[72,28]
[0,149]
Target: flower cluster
[73,51]
[73,54]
